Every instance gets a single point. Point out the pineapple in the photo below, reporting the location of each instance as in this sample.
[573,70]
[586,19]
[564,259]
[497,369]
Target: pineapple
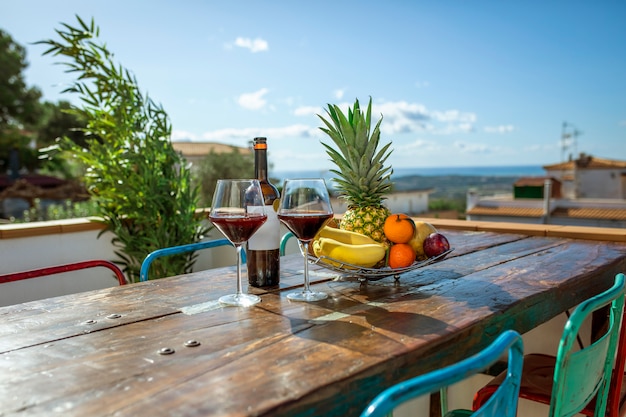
[362,177]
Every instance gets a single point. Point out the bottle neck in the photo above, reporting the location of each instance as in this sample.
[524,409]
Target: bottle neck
[260,164]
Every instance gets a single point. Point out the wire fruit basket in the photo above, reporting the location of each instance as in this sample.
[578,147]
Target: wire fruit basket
[371,274]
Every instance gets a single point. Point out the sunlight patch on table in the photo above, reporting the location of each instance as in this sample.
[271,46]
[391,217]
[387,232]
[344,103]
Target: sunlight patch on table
[202,307]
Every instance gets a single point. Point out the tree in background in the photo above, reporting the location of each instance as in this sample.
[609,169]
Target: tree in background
[26,123]
[214,166]
[20,109]
[59,120]
[142,186]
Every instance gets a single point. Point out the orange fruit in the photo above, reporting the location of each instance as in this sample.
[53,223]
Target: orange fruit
[399,228]
[401,255]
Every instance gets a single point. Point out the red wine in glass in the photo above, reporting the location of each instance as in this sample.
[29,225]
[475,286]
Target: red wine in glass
[306,225]
[304,209]
[229,213]
[238,229]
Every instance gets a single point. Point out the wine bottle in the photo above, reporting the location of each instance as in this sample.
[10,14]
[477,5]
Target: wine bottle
[262,253]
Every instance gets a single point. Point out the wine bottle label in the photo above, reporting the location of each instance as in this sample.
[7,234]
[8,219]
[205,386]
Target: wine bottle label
[268,235]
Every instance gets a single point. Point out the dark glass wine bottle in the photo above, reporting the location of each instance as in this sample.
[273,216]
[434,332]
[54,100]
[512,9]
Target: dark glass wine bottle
[262,252]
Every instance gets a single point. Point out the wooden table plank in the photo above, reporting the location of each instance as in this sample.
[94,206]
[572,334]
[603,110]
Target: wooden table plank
[281,357]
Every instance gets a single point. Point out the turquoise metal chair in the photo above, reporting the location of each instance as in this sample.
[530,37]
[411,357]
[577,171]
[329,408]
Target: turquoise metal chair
[576,381]
[176,250]
[283,242]
[502,404]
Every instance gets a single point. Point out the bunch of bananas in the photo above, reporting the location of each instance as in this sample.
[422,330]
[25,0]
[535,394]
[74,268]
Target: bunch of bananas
[348,247]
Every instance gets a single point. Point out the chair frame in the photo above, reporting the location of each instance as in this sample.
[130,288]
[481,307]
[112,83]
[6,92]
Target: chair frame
[561,402]
[615,400]
[283,242]
[504,401]
[593,380]
[59,269]
[176,250]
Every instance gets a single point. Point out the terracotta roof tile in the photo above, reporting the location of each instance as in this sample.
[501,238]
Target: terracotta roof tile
[533,181]
[506,211]
[591,213]
[204,148]
[575,212]
[588,162]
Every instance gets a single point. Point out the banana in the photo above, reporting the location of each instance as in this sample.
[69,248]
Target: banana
[365,255]
[345,236]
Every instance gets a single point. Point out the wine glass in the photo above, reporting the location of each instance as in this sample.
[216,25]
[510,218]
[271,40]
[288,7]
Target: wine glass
[230,214]
[305,208]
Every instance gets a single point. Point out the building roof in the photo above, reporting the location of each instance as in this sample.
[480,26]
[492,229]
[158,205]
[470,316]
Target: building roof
[505,211]
[587,162]
[534,181]
[43,181]
[598,213]
[205,148]
[591,213]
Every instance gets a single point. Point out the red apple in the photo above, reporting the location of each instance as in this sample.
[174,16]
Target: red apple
[436,244]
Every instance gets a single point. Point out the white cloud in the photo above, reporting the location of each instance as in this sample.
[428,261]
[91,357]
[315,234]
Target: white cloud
[339,93]
[308,110]
[453,116]
[453,128]
[183,136]
[402,117]
[232,135]
[254,45]
[499,129]
[416,147]
[253,101]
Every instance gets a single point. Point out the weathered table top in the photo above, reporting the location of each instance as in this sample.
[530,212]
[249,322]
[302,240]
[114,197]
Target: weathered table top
[99,353]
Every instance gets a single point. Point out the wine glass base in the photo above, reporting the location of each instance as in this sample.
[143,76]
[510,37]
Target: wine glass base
[307,296]
[240,300]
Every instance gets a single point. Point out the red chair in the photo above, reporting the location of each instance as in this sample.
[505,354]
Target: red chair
[75,266]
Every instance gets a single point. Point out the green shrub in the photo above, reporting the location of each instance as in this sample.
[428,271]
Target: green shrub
[141,185]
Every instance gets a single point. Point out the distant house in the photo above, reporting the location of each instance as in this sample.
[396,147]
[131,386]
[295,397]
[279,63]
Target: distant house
[534,187]
[588,191]
[590,177]
[411,203]
[17,195]
[195,152]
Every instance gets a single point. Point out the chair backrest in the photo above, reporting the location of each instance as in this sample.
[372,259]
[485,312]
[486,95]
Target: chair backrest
[503,403]
[58,269]
[283,242]
[581,375]
[175,250]
[615,399]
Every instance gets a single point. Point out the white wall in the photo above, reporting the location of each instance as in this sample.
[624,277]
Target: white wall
[25,253]
[599,183]
[410,203]
[591,183]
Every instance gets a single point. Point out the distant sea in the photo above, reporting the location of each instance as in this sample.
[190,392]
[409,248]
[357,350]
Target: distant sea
[489,171]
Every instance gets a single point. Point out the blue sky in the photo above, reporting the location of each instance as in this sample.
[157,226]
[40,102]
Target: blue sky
[458,83]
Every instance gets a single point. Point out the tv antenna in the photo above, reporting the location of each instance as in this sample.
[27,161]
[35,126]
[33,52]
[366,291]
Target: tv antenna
[569,138]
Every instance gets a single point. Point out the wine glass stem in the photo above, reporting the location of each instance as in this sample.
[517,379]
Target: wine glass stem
[305,251]
[239,283]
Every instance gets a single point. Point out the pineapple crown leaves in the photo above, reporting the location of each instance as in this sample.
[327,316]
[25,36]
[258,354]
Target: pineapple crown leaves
[362,177]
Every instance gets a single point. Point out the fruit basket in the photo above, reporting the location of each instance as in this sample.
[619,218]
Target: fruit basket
[371,274]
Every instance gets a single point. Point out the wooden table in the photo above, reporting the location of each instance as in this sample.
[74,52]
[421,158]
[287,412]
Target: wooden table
[105,353]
